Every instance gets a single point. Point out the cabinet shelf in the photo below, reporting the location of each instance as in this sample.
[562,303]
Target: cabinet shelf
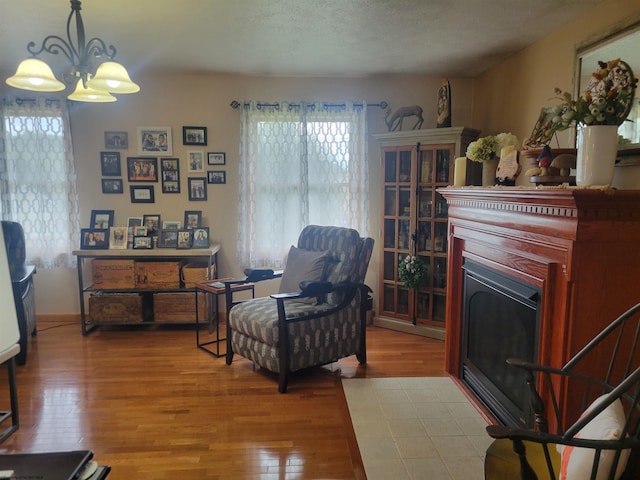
[414,222]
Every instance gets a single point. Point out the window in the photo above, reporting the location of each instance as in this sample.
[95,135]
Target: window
[300,164]
[38,179]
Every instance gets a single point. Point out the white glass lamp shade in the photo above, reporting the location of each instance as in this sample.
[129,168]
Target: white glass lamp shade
[82,94]
[114,78]
[33,74]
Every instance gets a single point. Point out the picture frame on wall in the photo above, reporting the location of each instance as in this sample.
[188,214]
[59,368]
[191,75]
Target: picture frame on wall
[155,141]
[197,189]
[216,158]
[110,164]
[194,135]
[192,219]
[114,139]
[101,219]
[195,159]
[118,238]
[217,177]
[141,169]
[112,185]
[184,239]
[94,238]
[167,238]
[200,237]
[142,193]
[170,174]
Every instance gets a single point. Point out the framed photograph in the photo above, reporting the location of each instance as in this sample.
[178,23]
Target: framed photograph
[167,238]
[194,135]
[184,239]
[197,189]
[217,176]
[118,238]
[142,169]
[200,237]
[171,224]
[216,158]
[101,219]
[155,141]
[196,161]
[116,140]
[134,222]
[112,185]
[192,219]
[139,231]
[142,242]
[142,194]
[170,174]
[94,238]
[152,222]
[110,164]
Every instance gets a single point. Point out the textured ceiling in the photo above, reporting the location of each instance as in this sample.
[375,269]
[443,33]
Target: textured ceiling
[457,38]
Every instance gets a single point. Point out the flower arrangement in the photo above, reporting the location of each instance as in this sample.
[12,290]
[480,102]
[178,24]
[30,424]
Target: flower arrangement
[487,147]
[606,101]
[412,271]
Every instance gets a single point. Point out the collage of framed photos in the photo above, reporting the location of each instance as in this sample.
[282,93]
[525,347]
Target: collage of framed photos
[145,232]
[154,162]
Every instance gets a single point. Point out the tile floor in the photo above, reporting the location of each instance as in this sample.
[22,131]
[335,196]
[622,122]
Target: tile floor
[416,428]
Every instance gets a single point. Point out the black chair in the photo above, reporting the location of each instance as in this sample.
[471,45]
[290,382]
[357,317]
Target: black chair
[22,284]
[603,382]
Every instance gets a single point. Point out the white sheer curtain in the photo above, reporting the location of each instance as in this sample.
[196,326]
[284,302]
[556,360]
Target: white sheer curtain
[300,164]
[38,178]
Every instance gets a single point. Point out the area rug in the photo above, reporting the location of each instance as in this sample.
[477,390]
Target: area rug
[416,428]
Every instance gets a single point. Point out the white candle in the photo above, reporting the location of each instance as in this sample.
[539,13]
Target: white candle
[460,172]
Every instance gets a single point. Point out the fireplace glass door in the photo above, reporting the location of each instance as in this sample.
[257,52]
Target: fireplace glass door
[500,321]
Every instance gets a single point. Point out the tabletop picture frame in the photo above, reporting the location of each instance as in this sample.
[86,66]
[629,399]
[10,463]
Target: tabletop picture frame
[152,222]
[94,238]
[142,243]
[185,238]
[155,141]
[171,225]
[194,135]
[101,219]
[110,164]
[200,237]
[118,238]
[167,238]
[192,219]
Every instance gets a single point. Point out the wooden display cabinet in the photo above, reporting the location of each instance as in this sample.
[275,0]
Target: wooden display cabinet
[414,221]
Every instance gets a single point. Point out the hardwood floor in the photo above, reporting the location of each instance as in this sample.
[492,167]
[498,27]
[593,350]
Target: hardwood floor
[152,405]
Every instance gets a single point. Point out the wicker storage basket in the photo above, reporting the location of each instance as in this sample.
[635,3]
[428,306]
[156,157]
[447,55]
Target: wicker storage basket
[193,273]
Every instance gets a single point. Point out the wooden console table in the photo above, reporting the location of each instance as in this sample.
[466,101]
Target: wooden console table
[208,255]
[579,247]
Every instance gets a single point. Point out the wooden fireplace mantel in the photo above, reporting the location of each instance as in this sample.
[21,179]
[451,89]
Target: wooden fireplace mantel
[580,247]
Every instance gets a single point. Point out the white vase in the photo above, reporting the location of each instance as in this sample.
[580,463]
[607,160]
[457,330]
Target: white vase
[597,152]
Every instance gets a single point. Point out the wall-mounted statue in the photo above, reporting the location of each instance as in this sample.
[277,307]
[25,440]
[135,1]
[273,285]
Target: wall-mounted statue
[444,105]
[394,122]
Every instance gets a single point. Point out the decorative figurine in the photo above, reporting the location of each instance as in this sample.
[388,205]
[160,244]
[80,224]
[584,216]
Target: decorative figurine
[444,105]
[394,122]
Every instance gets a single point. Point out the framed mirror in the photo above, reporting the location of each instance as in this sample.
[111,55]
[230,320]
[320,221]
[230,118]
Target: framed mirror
[619,42]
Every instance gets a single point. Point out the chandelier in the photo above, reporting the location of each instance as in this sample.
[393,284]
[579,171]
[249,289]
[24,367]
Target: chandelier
[91,84]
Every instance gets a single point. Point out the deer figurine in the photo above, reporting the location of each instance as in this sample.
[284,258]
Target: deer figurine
[394,122]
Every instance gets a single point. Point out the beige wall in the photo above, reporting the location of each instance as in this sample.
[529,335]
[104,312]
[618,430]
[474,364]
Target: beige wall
[172,99]
[507,98]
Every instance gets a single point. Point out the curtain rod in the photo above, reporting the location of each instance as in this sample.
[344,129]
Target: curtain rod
[236,104]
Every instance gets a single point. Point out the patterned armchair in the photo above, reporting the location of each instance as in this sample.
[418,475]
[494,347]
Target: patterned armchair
[321,321]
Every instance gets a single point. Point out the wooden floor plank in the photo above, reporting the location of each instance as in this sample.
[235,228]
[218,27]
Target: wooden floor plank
[153,406]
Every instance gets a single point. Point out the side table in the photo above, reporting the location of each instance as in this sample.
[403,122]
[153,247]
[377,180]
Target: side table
[213,290]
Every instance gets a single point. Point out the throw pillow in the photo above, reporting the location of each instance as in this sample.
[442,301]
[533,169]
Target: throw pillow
[607,425]
[302,265]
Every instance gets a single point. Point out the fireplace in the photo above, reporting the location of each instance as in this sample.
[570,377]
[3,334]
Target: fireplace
[500,320]
[567,257]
